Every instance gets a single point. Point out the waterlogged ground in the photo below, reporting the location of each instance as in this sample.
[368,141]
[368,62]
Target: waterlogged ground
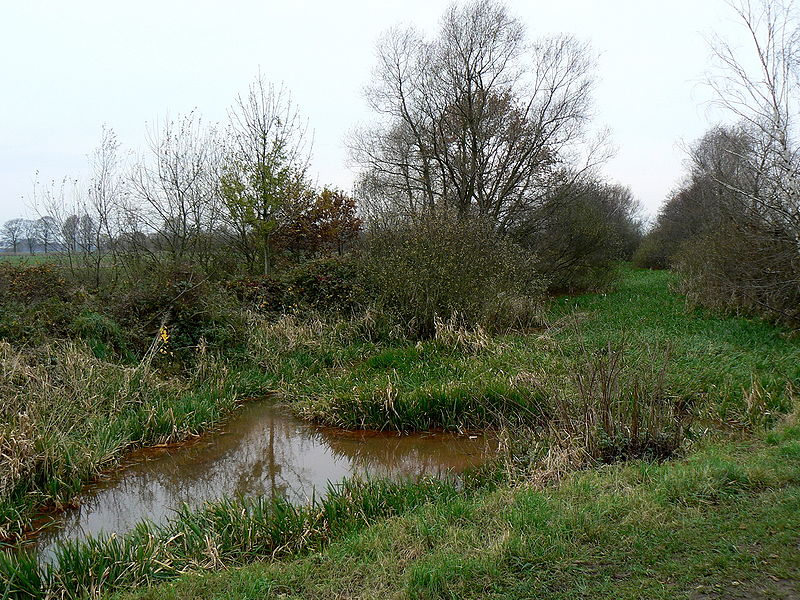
[262,451]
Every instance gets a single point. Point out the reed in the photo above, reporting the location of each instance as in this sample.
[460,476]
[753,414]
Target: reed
[226,533]
[67,415]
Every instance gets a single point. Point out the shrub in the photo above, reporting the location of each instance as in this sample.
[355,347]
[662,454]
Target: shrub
[579,233]
[443,267]
[651,253]
[330,284]
[325,284]
[611,407]
[261,293]
[193,310]
[32,283]
[36,302]
[745,267]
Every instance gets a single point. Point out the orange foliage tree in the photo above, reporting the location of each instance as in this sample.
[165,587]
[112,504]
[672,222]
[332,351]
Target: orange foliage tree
[327,225]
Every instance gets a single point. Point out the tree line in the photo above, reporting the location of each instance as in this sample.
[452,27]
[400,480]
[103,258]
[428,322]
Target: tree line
[732,228]
[482,139]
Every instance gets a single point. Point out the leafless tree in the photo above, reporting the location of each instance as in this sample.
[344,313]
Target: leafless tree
[81,218]
[46,228]
[760,87]
[100,206]
[476,120]
[174,206]
[579,229]
[30,234]
[749,175]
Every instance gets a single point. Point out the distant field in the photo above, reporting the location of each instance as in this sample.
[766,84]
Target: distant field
[25,258]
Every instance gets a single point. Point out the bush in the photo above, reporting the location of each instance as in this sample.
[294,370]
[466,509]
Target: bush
[32,283]
[441,267]
[193,310]
[580,232]
[750,268]
[36,302]
[651,253]
[326,285]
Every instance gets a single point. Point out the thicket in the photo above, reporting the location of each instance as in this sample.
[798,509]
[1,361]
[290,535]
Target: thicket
[579,232]
[439,267]
[729,233]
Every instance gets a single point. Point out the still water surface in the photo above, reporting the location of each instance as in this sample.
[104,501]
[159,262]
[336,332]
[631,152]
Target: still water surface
[263,450]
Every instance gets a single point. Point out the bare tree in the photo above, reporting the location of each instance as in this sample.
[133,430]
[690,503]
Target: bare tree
[264,181]
[760,87]
[100,207]
[751,174]
[46,229]
[174,201]
[475,120]
[82,218]
[30,234]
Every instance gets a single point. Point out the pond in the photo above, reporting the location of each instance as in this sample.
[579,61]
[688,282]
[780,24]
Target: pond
[262,450]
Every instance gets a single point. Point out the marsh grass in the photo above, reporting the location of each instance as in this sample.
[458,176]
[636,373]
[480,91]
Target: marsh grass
[620,411]
[616,376]
[227,533]
[68,415]
[464,378]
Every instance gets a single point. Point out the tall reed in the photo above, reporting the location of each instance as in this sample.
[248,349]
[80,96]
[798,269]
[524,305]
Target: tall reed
[222,534]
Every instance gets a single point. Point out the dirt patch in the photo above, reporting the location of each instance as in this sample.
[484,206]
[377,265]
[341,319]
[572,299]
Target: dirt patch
[768,589]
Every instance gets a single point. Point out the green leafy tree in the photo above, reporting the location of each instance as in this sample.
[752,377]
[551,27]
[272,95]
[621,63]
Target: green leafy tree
[263,183]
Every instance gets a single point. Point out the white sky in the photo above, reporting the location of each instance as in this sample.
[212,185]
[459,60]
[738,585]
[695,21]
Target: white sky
[68,67]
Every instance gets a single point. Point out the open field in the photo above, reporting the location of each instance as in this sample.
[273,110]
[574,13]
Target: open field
[26,258]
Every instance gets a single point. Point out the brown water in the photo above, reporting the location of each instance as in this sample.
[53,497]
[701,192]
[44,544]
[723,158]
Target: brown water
[263,450]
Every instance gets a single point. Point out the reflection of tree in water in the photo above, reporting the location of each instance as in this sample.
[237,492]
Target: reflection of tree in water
[264,451]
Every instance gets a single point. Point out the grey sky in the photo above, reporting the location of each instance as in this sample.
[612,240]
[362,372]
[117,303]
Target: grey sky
[68,67]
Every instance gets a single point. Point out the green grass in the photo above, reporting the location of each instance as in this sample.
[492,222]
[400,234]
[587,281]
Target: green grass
[25,259]
[642,529]
[714,357]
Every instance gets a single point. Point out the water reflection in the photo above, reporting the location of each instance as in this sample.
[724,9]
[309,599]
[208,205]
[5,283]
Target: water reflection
[264,450]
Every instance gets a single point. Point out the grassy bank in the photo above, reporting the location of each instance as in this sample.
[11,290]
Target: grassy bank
[725,369]
[222,534]
[68,415]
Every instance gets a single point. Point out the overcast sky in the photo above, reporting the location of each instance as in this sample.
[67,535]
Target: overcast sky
[69,67]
